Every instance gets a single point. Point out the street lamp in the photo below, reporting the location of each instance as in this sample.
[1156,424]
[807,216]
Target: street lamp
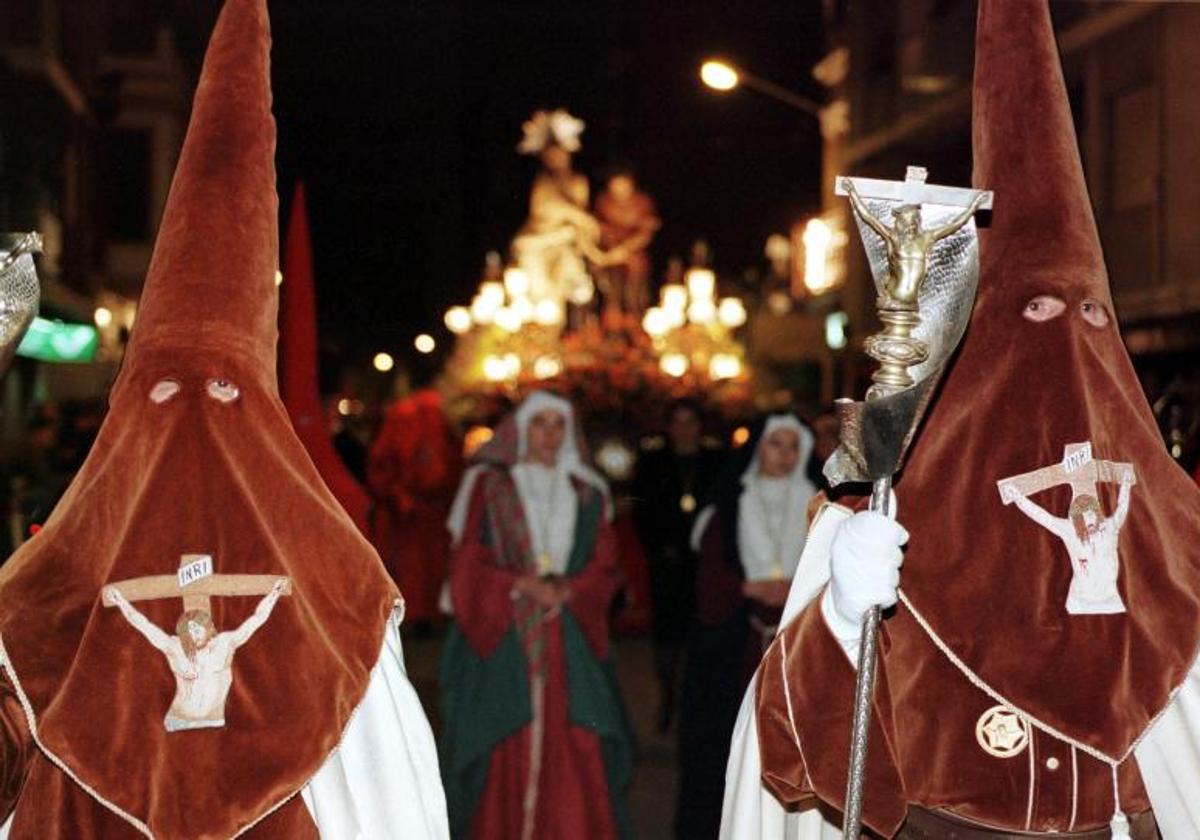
[723,76]
[719,75]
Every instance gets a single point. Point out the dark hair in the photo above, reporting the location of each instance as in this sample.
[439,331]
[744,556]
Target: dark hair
[201,617]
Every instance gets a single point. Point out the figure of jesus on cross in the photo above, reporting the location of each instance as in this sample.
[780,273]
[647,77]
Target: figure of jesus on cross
[200,658]
[1088,535]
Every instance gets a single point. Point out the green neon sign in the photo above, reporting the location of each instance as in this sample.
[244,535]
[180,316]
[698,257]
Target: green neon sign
[57,341]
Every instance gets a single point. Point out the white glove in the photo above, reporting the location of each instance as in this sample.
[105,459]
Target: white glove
[864,572]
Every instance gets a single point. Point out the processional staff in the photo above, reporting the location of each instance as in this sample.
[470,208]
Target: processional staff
[926,279]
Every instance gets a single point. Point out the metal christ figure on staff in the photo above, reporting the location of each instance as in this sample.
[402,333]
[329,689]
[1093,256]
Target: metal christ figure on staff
[908,246]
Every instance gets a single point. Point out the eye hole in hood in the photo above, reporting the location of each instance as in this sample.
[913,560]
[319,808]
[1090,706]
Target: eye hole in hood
[164,390]
[1094,313]
[1043,308]
[222,390]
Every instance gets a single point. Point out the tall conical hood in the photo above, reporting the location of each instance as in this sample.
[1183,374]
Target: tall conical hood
[298,382]
[1050,528]
[211,285]
[1026,151]
[198,606]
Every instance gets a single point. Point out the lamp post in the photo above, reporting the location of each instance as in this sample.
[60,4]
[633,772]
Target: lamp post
[720,75]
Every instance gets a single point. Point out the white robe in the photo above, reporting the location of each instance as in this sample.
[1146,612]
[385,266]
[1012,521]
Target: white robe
[383,779]
[1168,757]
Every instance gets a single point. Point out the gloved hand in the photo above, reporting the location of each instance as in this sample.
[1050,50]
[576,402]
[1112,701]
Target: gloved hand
[864,572]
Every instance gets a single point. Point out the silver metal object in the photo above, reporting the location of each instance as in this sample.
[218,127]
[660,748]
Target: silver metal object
[19,291]
[914,348]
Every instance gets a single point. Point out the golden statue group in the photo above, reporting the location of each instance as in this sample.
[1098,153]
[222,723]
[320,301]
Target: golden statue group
[570,248]
[1036,672]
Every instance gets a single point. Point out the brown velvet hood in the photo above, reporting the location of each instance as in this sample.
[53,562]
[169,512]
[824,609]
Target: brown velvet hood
[992,581]
[298,382]
[216,470]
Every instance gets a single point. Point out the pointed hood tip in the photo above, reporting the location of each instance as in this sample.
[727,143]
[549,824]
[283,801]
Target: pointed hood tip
[1026,148]
[210,289]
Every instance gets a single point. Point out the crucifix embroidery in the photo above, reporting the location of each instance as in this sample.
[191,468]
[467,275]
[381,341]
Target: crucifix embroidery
[200,658]
[1089,536]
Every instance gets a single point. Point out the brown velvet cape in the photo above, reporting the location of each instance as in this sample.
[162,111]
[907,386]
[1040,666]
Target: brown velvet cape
[991,583]
[197,475]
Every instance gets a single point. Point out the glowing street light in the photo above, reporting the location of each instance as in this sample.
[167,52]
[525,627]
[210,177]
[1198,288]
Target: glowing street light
[719,75]
[424,343]
[102,316]
[384,362]
[723,76]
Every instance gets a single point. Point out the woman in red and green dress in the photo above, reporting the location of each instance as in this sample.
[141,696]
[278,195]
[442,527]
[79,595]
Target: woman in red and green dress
[535,742]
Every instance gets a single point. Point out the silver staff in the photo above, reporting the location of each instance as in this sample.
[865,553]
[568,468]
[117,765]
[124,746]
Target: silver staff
[19,292]
[926,270]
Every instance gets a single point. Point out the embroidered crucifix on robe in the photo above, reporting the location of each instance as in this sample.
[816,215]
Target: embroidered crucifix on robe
[1089,536]
[200,658]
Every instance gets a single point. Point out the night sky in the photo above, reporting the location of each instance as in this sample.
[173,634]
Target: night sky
[402,118]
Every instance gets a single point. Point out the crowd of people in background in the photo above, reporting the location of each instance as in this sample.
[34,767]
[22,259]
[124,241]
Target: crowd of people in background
[715,511]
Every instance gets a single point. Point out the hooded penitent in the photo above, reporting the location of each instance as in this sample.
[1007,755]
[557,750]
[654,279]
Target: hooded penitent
[1115,612]
[298,384]
[1050,594]
[414,469]
[196,464]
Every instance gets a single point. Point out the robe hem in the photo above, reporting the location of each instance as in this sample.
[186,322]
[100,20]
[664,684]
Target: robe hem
[987,689]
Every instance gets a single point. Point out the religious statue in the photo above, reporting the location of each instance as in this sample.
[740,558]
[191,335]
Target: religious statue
[628,222]
[908,246]
[560,235]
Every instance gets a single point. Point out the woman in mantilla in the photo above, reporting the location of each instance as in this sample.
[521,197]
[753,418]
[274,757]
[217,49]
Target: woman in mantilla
[749,543]
[535,742]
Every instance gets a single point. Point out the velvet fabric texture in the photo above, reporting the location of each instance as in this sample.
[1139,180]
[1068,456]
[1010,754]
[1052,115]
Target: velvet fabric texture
[214,469]
[298,381]
[992,583]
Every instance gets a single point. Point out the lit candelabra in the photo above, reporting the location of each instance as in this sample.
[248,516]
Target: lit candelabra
[692,329]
